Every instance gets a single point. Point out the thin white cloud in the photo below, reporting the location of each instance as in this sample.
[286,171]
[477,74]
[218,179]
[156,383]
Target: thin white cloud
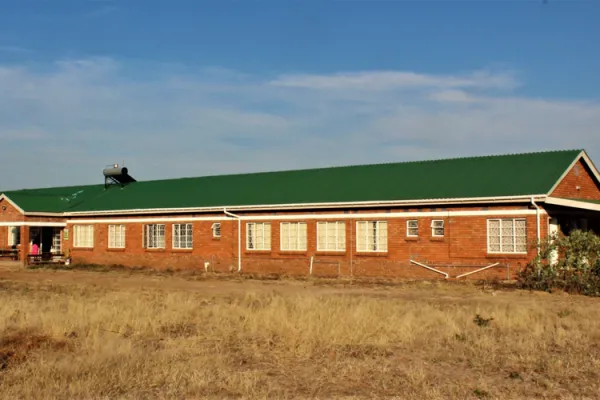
[452,96]
[73,117]
[391,80]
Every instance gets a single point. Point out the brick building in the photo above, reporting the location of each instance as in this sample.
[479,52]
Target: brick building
[473,217]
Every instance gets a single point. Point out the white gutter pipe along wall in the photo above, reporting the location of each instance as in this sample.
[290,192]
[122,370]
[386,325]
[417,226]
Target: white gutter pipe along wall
[239,219]
[537,221]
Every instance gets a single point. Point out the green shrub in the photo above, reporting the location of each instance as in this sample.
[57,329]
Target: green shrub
[575,269]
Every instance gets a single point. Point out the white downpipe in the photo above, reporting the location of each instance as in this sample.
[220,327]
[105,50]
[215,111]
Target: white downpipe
[311,264]
[430,268]
[537,222]
[478,270]
[239,219]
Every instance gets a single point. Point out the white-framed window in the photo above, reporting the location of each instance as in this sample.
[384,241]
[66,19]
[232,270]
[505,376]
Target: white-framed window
[331,236]
[14,235]
[154,236]
[293,236]
[508,235]
[216,230]
[371,236]
[83,236]
[258,236]
[412,228]
[437,228]
[182,236]
[56,240]
[116,236]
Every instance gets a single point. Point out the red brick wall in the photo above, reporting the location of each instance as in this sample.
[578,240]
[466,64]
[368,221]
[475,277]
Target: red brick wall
[580,176]
[220,251]
[462,249]
[8,213]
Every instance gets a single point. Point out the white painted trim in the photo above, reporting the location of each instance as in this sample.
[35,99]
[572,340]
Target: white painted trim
[361,204]
[214,228]
[573,203]
[43,214]
[514,237]
[41,224]
[145,220]
[124,237]
[321,249]
[12,203]
[387,240]
[263,228]
[592,166]
[297,227]
[408,227]
[145,236]
[79,246]
[433,228]
[173,236]
[564,174]
[382,215]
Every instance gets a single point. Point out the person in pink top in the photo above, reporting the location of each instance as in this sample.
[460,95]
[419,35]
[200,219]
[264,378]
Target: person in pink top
[35,249]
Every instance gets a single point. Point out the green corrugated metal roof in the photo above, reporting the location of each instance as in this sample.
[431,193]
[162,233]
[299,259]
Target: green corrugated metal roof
[490,176]
[59,199]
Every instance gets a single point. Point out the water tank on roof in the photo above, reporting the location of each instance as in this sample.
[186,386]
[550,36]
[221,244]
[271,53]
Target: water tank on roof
[115,171]
[116,175]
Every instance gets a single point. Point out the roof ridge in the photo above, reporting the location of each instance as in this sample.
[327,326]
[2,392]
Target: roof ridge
[367,165]
[240,174]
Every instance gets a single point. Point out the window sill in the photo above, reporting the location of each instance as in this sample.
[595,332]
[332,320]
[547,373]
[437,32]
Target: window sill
[411,239]
[330,253]
[292,252]
[250,252]
[116,249]
[372,254]
[83,248]
[506,255]
[216,238]
[161,250]
[182,250]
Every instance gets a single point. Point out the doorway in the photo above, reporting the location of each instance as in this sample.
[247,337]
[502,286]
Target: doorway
[47,238]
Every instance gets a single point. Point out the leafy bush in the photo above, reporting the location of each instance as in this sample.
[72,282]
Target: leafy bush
[576,266]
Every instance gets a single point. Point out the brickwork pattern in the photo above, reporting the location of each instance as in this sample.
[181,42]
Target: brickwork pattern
[579,183]
[462,249]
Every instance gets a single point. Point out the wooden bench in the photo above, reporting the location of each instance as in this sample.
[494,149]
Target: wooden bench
[13,254]
[46,258]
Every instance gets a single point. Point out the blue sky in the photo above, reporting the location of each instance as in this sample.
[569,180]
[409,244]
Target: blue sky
[187,88]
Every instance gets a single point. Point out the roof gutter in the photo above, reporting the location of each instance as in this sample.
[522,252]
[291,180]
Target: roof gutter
[557,201]
[300,206]
[43,214]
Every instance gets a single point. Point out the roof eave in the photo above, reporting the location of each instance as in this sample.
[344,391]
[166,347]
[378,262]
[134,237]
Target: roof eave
[557,201]
[12,203]
[581,156]
[303,206]
[43,214]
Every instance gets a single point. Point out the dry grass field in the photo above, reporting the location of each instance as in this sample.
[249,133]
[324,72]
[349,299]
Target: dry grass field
[83,335]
